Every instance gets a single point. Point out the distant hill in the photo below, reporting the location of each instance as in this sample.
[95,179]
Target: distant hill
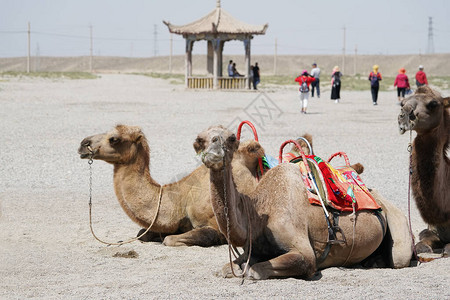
[435,64]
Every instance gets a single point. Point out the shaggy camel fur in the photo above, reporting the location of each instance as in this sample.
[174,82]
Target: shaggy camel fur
[286,234]
[428,113]
[185,217]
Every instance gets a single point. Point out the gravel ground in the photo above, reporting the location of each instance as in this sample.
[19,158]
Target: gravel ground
[47,251]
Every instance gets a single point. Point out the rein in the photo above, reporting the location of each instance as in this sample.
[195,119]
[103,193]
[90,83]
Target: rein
[232,249]
[90,162]
[410,147]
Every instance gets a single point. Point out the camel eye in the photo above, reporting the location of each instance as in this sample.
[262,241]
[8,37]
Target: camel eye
[432,105]
[113,140]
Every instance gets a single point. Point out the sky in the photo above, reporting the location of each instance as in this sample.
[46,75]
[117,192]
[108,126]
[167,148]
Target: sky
[134,28]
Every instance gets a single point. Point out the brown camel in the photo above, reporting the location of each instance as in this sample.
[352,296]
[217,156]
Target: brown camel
[185,217]
[428,113]
[285,234]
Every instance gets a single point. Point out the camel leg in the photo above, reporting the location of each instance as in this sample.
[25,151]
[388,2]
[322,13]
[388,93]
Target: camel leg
[203,237]
[292,263]
[429,240]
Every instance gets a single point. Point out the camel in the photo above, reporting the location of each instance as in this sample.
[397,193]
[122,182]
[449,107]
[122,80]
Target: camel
[428,114]
[185,217]
[281,233]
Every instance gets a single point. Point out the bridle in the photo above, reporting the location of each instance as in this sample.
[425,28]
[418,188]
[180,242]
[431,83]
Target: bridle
[90,162]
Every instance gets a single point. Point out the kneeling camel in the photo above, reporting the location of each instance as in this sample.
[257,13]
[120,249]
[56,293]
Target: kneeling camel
[281,233]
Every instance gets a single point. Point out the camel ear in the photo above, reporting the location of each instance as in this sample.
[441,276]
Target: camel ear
[199,145]
[446,102]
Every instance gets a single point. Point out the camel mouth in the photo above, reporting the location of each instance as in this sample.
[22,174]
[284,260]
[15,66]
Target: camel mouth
[211,159]
[86,152]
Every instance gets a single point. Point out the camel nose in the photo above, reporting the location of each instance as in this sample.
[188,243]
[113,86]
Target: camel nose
[86,142]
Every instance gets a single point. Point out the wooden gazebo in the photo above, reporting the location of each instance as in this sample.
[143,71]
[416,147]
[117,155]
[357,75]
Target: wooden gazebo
[217,28]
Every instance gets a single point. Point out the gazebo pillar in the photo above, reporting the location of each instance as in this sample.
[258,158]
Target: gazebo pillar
[188,61]
[216,45]
[247,62]
[210,57]
[222,43]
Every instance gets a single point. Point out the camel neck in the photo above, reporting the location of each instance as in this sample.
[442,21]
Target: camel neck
[431,174]
[224,196]
[137,193]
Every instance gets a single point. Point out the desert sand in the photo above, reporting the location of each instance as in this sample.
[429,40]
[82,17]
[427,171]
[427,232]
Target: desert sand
[47,250]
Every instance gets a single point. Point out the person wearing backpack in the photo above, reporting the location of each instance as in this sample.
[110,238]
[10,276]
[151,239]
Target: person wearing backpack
[336,85]
[304,81]
[375,78]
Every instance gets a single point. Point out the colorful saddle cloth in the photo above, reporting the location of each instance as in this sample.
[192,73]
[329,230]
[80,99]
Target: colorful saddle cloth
[340,187]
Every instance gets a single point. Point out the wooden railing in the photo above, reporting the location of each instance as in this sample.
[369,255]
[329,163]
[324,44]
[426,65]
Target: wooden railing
[200,82]
[237,83]
[234,83]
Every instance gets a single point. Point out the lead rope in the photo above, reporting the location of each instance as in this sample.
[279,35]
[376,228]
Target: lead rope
[90,161]
[232,249]
[409,196]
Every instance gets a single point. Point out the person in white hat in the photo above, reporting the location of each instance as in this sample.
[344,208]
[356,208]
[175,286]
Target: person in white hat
[421,77]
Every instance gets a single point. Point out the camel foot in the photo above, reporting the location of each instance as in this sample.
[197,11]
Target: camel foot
[150,236]
[226,271]
[423,248]
[446,251]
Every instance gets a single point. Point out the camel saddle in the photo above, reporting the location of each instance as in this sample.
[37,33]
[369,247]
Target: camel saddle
[340,188]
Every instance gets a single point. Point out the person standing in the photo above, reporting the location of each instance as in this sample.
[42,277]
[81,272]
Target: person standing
[375,78]
[304,81]
[230,69]
[256,78]
[336,85]
[421,77]
[402,83]
[315,72]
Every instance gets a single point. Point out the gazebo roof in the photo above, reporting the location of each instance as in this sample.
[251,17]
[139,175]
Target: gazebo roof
[216,22]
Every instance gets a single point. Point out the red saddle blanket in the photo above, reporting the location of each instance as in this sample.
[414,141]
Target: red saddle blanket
[340,187]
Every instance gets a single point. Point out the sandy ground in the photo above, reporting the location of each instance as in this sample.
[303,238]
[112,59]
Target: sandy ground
[47,251]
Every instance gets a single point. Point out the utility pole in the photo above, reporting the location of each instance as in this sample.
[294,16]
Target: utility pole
[275,57]
[430,49]
[91,49]
[354,61]
[155,40]
[343,54]
[29,46]
[171,53]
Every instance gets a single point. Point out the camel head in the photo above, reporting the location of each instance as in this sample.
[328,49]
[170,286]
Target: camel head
[248,154]
[118,146]
[422,111]
[216,145]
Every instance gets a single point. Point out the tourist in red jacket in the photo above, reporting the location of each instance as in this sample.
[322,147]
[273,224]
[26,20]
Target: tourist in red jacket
[402,83]
[421,77]
[304,81]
